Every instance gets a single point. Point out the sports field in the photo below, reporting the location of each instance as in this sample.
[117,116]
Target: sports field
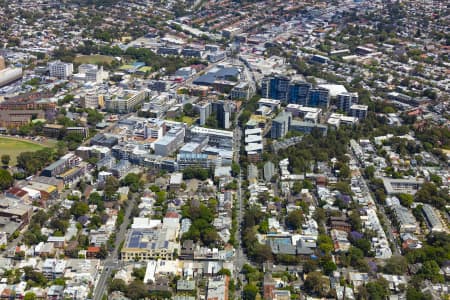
[93,59]
[15,146]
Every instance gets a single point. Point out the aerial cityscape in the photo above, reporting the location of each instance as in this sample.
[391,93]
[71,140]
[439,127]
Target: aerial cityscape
[224,149]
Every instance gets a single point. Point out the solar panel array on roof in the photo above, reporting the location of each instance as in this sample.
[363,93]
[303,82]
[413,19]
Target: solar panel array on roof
[134,241]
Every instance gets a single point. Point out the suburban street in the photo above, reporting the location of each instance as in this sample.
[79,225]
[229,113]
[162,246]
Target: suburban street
[389,232]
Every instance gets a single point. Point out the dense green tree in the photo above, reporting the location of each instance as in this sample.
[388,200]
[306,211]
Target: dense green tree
[297,187]
[378,290]
[161,196]
[253,216]
[6,159]
[250,291]
[244,116]
[320,215]
[79,209]
[380,195]
[295,219]
[198,173]
[310,265]
[154,188]
[94,116]
[66,99]
[61,147]
[414,294]
[363,244]
[328,265]
[201,228]
[95,222]
[235,169]
[59,281]
[96,199]
[264,226]
[111,187]
[369,172]
[60,225]
[35,277]
[188,109]
[32,162]
[406,199]
[29,296]
[34,235]
[103,253]
[224,272]
[73,139]
[39,217]
[210,236]
[430,270]
[133,181]
[396,265]
[131,178]
[429,193]
[325,243]
[136,290]
[196,211]
[262,253]
[433,177]
[316,284]
[344,171]
[6,180]
[118,285]
[355,258]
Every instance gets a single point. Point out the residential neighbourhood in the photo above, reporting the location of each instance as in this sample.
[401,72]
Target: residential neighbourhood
[224,149]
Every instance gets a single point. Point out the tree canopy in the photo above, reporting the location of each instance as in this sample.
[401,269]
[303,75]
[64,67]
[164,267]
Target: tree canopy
[6,180]
[316,284]
[295,219]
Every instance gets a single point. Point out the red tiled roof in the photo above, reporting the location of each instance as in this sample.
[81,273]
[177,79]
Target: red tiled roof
[93,249]
[172,215]
[17,192]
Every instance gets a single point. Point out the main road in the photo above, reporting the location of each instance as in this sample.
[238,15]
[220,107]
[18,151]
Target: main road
[239,259]
[112,261]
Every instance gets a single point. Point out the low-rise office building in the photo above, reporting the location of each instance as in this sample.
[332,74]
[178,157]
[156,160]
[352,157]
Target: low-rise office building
[152,243]
[217,137]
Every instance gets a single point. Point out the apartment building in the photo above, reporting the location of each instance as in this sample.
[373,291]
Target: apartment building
[125,102]
[60,69]
[281,125]
[359,111]
[171,142]
[346,100]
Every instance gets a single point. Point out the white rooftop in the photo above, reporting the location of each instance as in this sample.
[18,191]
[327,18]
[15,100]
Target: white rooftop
[335,89]
[145,223]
